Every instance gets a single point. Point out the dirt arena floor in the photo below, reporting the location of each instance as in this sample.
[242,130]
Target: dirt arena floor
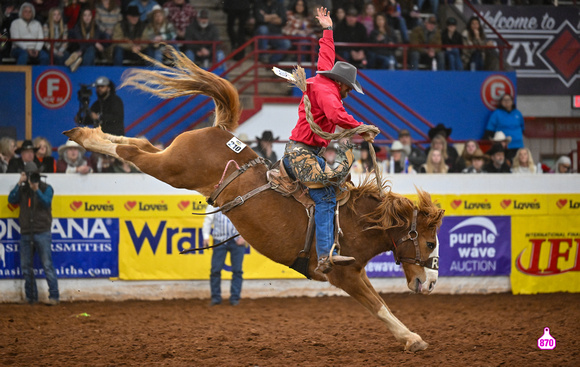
[466,330]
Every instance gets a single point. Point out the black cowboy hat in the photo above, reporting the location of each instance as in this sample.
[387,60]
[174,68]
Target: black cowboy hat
[345,73]
[267,136]
[440,129]
[26,145]
[495,148]
[133,11]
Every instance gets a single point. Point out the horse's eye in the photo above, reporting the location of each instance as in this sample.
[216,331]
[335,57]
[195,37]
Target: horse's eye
[431,245]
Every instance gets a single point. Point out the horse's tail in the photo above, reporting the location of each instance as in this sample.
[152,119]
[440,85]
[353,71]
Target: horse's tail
[186,78]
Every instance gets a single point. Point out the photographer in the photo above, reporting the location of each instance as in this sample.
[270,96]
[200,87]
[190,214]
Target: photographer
[35,198]
[108,111]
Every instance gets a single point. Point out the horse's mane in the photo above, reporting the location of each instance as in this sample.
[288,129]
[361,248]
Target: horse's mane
[393,210]
[185,78]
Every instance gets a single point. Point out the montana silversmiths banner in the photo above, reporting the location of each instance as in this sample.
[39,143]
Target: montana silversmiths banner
[545,41]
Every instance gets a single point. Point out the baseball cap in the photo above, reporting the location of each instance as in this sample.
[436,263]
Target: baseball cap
[203,14]
[102,81]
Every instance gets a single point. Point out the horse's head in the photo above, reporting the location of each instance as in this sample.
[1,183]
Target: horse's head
[416,245]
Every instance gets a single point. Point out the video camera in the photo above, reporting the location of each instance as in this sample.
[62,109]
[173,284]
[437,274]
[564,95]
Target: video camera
[32,174]
[83,116]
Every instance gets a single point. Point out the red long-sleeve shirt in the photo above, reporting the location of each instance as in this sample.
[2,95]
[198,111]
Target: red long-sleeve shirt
[324,94]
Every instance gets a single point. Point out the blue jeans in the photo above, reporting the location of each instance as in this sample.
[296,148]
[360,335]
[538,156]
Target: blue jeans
[453,58]
[29,244]
[89,55]
[434,5]
[22,57]
[218,260]
[277,44]
[415,56]
[325,203]
[476,61]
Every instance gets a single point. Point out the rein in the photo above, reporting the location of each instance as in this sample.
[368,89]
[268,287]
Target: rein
[430,263]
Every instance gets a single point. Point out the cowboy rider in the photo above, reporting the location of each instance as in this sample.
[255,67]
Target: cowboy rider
[326,90]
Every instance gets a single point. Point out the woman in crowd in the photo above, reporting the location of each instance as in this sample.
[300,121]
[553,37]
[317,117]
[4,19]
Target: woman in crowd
[563,165]
[339,16]
[396,19]
[299,24]
[508,119]
[365,162]
[108,14]
[380,57]
[450,36]
[477,161]
[44,159]
[71,159]
[55,29]
[477,58]
[7,152]
[523,162]
[438,142]
[158,30]
[435,163]
[84,53]
[466,156]
[367,18]
[72,9]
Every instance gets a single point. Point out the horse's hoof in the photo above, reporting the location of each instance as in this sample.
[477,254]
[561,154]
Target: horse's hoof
[70,133]
[416,346]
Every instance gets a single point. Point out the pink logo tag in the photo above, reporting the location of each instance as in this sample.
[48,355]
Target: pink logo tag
[546,342]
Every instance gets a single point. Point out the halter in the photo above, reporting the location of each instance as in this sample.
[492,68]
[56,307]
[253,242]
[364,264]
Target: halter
[430,263]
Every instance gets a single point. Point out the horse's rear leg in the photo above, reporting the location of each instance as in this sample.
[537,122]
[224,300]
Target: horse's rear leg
[357,285]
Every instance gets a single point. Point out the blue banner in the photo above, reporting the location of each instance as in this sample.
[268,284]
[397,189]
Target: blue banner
[81,248]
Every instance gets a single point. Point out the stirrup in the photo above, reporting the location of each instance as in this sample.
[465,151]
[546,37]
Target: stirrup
[324,265]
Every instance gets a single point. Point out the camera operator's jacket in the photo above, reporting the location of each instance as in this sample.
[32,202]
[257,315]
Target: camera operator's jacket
[35,207]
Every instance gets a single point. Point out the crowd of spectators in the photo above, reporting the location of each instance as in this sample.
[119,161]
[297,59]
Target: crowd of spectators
[382,25]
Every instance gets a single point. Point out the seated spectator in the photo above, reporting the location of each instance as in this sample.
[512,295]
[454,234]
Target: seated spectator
[7,152]
[464,161]
[85,53]
[396,19]
[497,163]
[438,136]
[145,7]
[299,24]
[8,14]
[264,146]
[131,28]
[415,154]
[382,57]
[563,165]
[26,152]
[72,9]
[202,30]
[101,163]
[435,163]
[398,160]
[339,16]
[477,162]
[330,156]
[351,31]
[42,8]
[365,163]
[475,58]
[71,159]
[55,29]
[270,17]
[450,36]
[158,30]
[524,162]
[27,27]
[427,34]
[367,17]
[43,157]
[108,14]
[181,14]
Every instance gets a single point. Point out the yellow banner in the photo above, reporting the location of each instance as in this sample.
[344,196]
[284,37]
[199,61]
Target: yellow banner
[545,254]
[150,249]
[495,204]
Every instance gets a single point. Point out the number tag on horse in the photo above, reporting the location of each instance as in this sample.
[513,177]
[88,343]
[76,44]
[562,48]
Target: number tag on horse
[236,145]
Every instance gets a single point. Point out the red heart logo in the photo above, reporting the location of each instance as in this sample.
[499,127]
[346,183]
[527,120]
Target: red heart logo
[130,205]
[505,203]
[455,204]
[75,205]
[561,203]
[182,205]
[13,207]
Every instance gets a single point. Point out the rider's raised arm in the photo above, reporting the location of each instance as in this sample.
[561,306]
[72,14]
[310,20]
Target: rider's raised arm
[326,54]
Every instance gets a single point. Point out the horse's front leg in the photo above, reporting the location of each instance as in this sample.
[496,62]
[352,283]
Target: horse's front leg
[357,285]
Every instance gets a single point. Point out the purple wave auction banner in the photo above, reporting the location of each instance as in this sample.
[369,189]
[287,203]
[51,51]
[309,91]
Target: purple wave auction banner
[475,246]
[384,266]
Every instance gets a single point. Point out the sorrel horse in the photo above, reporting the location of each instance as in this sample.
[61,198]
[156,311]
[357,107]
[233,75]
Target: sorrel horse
[374,220]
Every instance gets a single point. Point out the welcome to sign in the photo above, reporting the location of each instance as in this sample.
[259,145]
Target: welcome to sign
[545,44]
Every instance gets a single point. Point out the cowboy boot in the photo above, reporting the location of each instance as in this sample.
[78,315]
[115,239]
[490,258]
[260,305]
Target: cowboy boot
[325,266]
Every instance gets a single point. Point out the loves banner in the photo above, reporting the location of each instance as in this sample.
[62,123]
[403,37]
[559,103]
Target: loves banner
[545,43]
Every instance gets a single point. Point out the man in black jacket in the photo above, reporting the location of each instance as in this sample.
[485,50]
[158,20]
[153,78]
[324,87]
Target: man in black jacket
[35,198]
[108,111]
[201,29]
